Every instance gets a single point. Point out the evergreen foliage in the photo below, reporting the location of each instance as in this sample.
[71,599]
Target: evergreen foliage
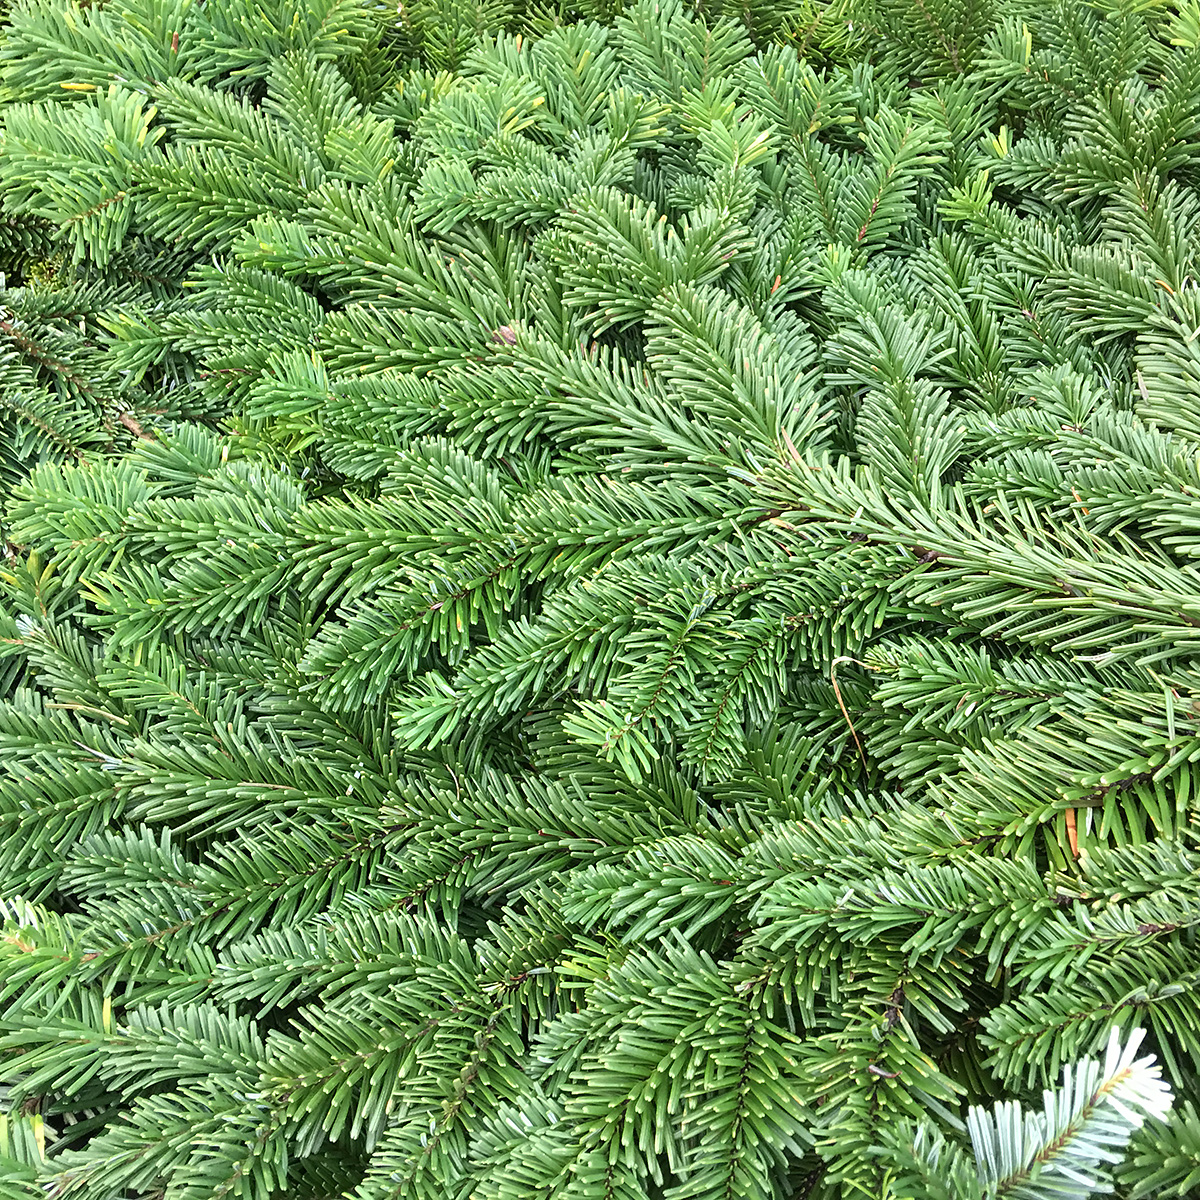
[599,601]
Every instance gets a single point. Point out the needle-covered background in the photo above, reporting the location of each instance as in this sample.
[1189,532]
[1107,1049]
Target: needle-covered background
[597,604]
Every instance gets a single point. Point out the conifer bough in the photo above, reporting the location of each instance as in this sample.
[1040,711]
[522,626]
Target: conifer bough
[599,603]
